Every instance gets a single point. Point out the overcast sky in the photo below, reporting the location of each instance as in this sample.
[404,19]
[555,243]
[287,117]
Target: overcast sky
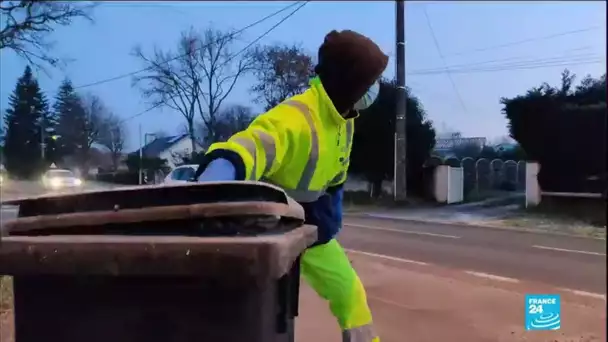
[494,49]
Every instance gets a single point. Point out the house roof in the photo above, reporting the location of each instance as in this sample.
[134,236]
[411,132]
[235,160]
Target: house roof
[157,146]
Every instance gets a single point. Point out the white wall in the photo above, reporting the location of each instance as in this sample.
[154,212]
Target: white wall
[533,193]
[440,183]
[448,184]
[182,147]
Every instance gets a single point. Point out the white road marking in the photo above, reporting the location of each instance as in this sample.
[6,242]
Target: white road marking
[491,276]
[568,250]
[388,301]
[401,231]
[387,257]
[586,294]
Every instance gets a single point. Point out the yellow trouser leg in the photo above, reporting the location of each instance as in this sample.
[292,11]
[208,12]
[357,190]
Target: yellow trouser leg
[328,271]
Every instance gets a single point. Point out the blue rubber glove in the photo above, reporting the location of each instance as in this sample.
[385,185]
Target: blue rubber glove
[218,170]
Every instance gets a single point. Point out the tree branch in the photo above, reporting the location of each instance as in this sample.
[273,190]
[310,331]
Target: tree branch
[28,24]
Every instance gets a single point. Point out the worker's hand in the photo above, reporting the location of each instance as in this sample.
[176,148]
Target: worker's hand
[218,170]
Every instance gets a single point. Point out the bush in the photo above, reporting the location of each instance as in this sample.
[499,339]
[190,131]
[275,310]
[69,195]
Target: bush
[590,210]
[564,129]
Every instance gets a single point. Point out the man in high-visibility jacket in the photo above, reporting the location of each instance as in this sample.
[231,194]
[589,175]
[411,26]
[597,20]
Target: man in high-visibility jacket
[303,145]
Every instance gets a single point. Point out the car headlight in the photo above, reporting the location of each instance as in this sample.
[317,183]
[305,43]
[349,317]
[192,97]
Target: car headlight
[55,182]
[77,182]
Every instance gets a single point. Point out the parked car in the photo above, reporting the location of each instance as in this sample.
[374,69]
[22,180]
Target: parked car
[60,179]
[3,175]
[181,174]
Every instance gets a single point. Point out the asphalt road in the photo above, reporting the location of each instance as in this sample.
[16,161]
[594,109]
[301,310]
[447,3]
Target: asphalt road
[561,261]
[565,262]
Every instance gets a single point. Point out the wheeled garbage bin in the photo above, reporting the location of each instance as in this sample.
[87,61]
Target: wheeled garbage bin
[184,263]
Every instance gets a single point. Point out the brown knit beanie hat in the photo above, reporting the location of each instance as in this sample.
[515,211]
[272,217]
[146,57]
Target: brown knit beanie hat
[349,63]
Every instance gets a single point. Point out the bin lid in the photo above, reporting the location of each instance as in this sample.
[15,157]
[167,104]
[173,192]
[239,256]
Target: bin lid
[94,212]
[147,230]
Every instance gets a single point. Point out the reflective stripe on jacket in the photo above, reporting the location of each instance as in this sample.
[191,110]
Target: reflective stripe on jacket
[302,145]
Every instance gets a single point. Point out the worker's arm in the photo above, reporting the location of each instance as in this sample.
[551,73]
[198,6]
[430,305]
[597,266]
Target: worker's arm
[337,202]
[326,214]
[256,152]
[329,206]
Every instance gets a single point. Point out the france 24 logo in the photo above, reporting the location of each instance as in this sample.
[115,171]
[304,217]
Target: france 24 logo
[543,312]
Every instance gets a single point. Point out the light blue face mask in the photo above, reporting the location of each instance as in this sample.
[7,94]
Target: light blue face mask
[370,96]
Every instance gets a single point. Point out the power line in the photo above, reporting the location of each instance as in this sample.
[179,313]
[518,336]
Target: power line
[268,31]
[506,59]
[520,67]
[428,21]
[234,55]
[469,66]
[525,41]
[142,112]
[235,33]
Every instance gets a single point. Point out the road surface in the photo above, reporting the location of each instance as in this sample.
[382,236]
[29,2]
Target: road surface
[437,282]
[434,282]
[574,263]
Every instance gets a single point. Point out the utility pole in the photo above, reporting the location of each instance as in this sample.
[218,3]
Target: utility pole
[141,154]
[42,135]
[42,140]
[399,184]
[143,142]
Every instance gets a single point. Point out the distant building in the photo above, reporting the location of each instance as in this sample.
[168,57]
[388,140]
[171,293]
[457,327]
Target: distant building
[445,144]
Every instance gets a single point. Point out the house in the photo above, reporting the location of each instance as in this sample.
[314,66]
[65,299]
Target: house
[172,148]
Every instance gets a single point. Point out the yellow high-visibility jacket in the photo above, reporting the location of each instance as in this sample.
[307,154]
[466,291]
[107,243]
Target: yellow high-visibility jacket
[302,145]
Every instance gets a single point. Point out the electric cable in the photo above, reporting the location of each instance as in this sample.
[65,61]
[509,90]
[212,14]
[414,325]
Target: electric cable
[268,31]
[523,67]
[521,59]
[525,41]
[524,62]
[234,55]
[235,33]
[429,24]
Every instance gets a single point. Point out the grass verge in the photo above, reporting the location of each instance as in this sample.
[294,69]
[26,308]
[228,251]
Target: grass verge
[552,223]
[359,201]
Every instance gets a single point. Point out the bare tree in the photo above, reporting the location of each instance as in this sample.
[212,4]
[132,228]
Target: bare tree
[229,120]
[112,136]
[94,114]
[220,69]
[171,79]
[281,71]
[197,78]
[26,26]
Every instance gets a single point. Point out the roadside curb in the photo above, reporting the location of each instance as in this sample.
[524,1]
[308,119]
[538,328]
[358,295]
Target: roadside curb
[478,225]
